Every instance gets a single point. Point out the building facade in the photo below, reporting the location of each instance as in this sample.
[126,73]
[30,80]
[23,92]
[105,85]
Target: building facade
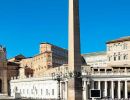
[114,79]
[107,71]
[50,56]
[96,59]
[36,88]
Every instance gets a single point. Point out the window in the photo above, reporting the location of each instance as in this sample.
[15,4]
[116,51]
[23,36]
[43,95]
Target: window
[119,56]
[125,56]
[95,69]
[109,58]
[124,46]
[23,91]
[32,91]
[20,91]
[102,69]
[108,48]
[66,68]
[27,91]
[41,91]
[53,75]
[36,91]
[58,68]
[53,92]
[46,91]
[82,68]
[114,56]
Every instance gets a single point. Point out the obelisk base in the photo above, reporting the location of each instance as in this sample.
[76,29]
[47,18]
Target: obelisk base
[75,89]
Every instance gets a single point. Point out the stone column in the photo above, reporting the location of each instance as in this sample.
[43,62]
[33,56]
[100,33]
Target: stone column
[119,90]
[84,90]
[61,90]
[125,70]
[5,82]
[87,90]
[58,92]
[99,85]
[126,90]
[92,84]
[74,55]
[112,89]
[66,90]
[105,88]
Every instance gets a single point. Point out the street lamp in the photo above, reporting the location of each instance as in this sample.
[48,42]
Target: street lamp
[58,78]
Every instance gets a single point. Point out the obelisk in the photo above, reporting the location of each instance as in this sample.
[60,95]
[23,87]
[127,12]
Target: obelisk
[74,60]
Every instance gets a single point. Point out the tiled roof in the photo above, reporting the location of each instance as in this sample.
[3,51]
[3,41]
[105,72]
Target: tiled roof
[12,63]
[127,38]
[94,54]
[53,45]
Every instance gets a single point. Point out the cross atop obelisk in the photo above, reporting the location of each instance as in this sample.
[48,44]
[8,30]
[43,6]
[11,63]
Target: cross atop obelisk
[74,84]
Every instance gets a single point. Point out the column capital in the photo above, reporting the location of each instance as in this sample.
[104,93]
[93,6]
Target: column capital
[85,80]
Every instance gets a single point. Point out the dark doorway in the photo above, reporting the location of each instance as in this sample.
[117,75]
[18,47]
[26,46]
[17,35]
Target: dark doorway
[9,88]
[0,86]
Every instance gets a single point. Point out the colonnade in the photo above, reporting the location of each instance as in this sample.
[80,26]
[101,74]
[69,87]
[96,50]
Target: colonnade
[112,89]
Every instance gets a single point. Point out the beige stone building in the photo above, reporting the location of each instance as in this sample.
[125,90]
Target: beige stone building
[96,59]
[118,54]
[50,56]
[107,71]
[13,66]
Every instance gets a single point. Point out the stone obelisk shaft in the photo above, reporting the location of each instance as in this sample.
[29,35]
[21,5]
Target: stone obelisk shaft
[74,84]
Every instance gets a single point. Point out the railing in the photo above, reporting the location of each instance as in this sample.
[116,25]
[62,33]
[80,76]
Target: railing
[107,73]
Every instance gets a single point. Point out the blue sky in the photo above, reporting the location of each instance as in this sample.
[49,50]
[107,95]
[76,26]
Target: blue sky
[26,23]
